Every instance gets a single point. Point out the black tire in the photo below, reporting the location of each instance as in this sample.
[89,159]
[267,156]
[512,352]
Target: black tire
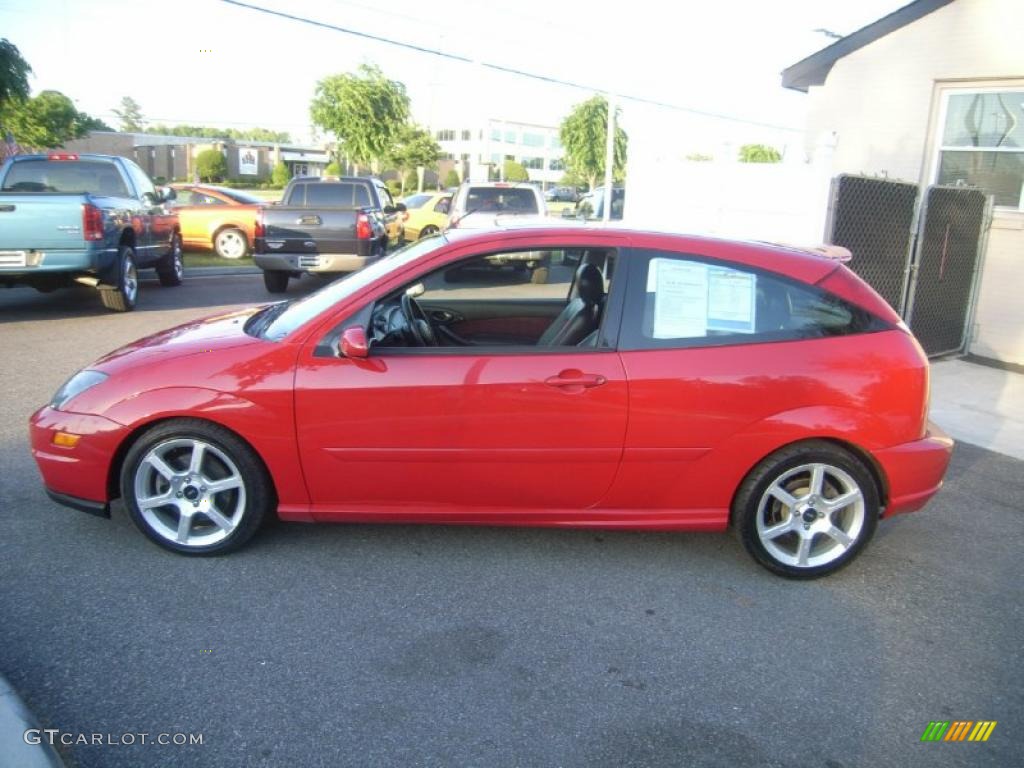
[226,457]
[275,282]
[121,293]
[836,536]
[171,267]
[427,231]
[231,243]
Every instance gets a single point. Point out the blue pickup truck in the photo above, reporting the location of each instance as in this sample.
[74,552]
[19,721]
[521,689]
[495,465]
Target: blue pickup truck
[92,219]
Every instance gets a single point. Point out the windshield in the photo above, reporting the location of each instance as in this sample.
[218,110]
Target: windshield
[68,176]
[304,310]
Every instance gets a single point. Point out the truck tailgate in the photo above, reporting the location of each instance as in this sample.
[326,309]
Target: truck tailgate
[310,230]
[40,222]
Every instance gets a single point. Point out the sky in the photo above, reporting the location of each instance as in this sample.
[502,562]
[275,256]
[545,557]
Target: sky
[212,63]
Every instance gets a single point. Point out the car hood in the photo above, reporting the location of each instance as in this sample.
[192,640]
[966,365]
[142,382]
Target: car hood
[220,331]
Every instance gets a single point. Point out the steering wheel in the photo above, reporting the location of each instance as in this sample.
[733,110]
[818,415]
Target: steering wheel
[416,320]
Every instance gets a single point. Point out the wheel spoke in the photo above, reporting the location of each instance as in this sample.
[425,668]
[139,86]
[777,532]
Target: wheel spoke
[227,484]
[804,550]
[782,495]
[840,536]
[160,466]
[775,531]
[817,479]
[157,501]
[840,502]
[198,453]
[218,519]
[184,526]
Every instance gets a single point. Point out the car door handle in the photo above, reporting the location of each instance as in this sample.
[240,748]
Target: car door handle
[444,316]
[575,381]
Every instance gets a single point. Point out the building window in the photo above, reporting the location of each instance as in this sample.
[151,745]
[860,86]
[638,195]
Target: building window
[534,163]
[446,134]
[557,164]
[556,144]
[467,135]
[495,134]
[510,137]
[447,156]
[533,140]
[982,142]
[465,157]
[495,158]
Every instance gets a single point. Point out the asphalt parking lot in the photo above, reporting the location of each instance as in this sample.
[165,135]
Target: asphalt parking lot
[441,646]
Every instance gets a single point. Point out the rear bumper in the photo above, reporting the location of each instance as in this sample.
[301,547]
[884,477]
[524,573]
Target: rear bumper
[311,262]
[76,477]
[915,470]
[49,263]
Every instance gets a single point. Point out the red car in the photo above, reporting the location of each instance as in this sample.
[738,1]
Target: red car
[649,381]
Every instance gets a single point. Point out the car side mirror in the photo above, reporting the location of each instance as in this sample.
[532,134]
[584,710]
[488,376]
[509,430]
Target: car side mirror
[400,207]
[149,199]
[354,344]
[389,209]
[167,194]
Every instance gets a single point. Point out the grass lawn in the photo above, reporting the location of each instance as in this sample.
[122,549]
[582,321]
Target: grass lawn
[210,259]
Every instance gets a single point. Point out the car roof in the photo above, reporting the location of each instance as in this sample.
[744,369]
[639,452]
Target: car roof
[807,264]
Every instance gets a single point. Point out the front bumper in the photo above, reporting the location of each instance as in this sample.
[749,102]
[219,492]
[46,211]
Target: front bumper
[310,262]
[915,470]
[78,476]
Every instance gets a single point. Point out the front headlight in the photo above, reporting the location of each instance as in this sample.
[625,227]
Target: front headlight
[75,386]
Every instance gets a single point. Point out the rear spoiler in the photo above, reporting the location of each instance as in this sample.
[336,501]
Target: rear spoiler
[834,252]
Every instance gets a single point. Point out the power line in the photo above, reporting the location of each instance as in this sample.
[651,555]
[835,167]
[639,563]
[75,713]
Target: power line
[551,80]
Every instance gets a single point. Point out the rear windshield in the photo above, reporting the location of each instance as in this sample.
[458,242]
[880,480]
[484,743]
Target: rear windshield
[502,199]
[70,176]
[330,194]
[417,201]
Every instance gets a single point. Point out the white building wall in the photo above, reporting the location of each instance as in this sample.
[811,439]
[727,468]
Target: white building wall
[881,103]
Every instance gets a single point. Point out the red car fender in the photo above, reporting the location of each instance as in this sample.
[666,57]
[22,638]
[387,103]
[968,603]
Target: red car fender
[261,425]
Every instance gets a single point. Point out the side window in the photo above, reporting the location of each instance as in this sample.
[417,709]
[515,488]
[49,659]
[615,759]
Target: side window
[297,195]
[185,197]
[694,302]
[140,180]
[442,205]
[385,197]
[362,196]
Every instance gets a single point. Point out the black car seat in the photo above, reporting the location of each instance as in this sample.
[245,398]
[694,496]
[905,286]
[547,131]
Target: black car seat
[581,315]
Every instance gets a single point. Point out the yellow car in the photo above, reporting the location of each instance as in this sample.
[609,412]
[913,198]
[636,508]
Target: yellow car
[426,214]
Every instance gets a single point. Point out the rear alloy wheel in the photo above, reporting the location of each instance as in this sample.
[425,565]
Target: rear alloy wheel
[171,268]
[807,510]
[195,488]
[275,282]
[231,243]
[428,231]
[122,294]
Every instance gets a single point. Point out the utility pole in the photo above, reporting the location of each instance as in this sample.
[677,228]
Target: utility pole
[609,159]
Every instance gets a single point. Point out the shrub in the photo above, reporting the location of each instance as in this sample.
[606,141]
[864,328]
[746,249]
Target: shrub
[393,187]
[515,171]
[211,165]
[412,181]
[280,176]
[451,179]
[333,169]
[759,153]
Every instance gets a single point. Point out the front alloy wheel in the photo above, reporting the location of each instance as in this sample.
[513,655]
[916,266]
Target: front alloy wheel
[194,487]
[807,510]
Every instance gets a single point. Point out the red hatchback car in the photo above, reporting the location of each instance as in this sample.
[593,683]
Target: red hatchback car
[635,380]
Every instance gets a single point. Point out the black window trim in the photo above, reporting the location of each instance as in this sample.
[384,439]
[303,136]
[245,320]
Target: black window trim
[608,333]
[632,339]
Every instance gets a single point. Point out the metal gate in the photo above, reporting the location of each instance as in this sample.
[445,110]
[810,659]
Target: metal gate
[874,218]
[948,254]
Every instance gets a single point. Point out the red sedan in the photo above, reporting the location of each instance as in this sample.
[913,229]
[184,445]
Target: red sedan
[639,381]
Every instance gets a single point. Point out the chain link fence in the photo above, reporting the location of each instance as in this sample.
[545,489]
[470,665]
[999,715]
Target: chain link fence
[927,273]
[874,218]
[953,225]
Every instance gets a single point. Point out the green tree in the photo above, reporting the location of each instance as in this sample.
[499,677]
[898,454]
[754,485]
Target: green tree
[14,72]
[333,169]
[514,171]
[280,176]
[583,135]
[45,121]
[413,147]
[364,110]
[207,132]
[451,179]
[211,165]
[759,153]
[130,115]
